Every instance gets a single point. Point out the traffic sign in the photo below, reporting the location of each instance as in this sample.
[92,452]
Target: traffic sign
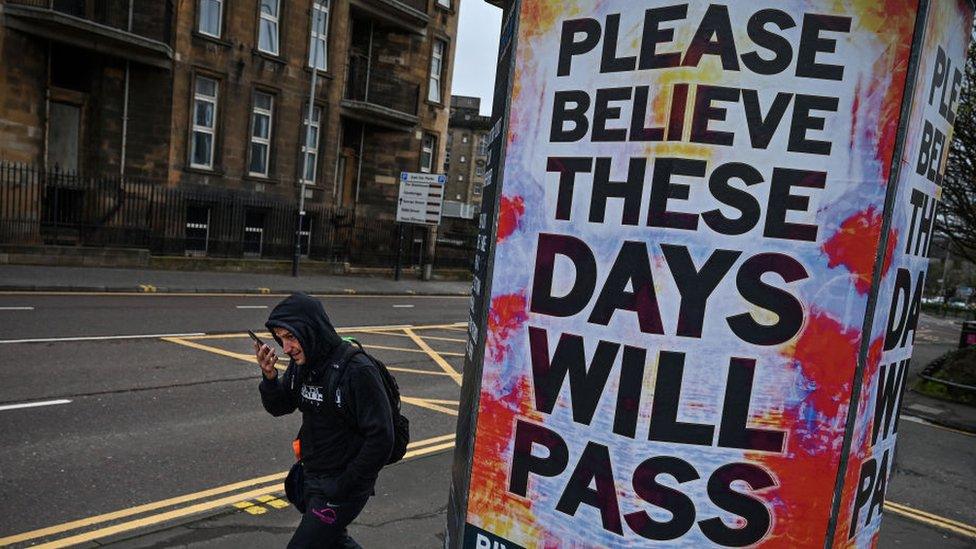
[421,198]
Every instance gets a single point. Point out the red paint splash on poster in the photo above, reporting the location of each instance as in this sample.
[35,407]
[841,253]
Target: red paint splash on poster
[489,495]
[814,422]
[507,313]
[854,246]
[510,211]
[861,446]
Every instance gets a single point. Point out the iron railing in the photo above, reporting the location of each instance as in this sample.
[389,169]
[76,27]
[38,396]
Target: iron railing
[380,88]
[56,208]
[152,20]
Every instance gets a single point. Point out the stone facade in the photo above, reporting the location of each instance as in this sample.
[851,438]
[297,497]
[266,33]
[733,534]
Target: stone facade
[366,140]
[374,94]
[63,80]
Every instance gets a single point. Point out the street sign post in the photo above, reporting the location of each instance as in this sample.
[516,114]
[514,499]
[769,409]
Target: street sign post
[695,302]
[420,201]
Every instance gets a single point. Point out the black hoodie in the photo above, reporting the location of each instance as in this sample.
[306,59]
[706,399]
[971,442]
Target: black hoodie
[346,450]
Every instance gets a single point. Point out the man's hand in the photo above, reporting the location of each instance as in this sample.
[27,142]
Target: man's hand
[266,360]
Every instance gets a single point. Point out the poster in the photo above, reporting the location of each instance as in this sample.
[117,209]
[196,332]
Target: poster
[941,66]
[689,221]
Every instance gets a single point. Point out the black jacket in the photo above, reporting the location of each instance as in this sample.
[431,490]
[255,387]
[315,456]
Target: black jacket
[345,448]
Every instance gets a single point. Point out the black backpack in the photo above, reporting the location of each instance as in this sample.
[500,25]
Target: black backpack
[401,425]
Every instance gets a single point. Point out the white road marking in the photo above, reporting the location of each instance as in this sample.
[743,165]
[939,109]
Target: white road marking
[33,404]
[97,338]
[925,409]
[252,306]
[16,308]
[403,306]
[914,419]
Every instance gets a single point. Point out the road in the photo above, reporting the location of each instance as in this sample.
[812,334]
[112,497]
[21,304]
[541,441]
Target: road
[144,429]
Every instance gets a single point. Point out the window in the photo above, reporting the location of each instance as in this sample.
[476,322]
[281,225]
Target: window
[446,4]
[477,189]
[318,45]
[464,138]
[436,68]
[460,178]
[261,114]
[427,151]
[210,16]
[479,171]
[310,149]
[204,123]
[463,159]
[268,27]
[482,145]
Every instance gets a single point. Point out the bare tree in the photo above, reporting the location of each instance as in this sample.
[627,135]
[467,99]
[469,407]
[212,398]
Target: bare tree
[957,216]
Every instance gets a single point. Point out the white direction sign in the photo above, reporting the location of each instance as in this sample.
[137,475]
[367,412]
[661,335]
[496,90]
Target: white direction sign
[421,196]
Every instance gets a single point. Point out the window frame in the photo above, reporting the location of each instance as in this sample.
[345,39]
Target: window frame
[277,25]
[312,35]
[444,4]
[266,141]
[195,128]
[315,122]
[432,150]
[220,20]
[439,77]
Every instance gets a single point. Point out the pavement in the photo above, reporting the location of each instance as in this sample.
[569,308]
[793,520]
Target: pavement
[99,279]
[936,336]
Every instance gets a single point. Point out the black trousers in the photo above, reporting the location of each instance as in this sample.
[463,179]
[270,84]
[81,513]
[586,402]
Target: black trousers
[324,523]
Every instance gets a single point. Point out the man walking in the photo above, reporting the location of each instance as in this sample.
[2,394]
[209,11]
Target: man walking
[342,452]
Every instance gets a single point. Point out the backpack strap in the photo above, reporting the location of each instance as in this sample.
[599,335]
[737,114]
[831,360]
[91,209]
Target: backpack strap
[338,376]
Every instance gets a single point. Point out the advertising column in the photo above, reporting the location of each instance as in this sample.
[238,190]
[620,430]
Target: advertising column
[704,267]
[913,206]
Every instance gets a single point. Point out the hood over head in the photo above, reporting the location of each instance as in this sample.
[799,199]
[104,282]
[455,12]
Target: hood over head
[305,318]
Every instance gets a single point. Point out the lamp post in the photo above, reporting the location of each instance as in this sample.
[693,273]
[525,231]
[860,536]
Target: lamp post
[308,139]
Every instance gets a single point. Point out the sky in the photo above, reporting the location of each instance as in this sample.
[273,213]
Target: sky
[476,51]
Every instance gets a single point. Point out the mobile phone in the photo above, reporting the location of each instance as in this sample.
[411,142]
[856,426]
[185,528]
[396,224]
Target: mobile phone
[255,338]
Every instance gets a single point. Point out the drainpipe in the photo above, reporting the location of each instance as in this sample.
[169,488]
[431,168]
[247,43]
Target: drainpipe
[359,169]
[125,103]
[47,110]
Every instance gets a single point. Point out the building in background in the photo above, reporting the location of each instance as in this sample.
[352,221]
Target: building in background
[467,156]
[213,95]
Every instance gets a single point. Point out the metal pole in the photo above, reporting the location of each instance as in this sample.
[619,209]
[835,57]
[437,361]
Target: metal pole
[945,274]
[302,145]
[399,252]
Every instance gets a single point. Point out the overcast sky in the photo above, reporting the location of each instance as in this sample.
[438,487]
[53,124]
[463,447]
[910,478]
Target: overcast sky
[476,51]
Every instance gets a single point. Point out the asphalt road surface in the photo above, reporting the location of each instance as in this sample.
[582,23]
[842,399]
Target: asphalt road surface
[135,420]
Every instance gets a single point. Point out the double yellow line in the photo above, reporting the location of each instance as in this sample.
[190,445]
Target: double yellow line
[266,485]
[964,530]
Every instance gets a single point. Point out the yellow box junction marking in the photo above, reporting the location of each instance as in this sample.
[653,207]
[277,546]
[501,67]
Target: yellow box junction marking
[431,404]
[434,355]
[407,331]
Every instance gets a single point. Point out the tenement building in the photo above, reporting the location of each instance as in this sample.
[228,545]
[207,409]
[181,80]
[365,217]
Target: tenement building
[215,95]
[467,146]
